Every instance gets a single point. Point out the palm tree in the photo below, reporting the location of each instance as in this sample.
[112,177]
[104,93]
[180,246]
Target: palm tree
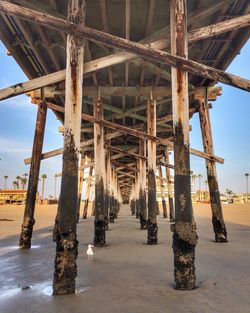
[247,175]
[229,193]
[206,183]
[199,176]
[194,176]
[18,178]
[15,184]
[23,182]
[44,176]
[5,181]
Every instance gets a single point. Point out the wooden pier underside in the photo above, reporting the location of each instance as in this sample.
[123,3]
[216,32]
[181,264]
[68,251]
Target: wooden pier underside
[127,65]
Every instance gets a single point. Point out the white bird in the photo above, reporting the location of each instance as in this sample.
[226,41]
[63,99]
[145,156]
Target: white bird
[90,252]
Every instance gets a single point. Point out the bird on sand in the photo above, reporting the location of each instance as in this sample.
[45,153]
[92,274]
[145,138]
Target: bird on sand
[90,252]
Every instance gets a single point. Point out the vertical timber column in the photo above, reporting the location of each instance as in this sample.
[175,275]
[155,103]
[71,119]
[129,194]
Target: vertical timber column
[132,200]
[80,184]
[99,237]
[112,201]
[66,241]
[170,192]
[87,196]
[137,207]
[217,215]
[28,219]
[163,198]
[152,205]
[184,235]
[107,189]
[143,184]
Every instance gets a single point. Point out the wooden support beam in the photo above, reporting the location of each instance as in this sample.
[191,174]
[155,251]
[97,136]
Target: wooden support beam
[126,174]
[28,218]
[124,130]
[164,164]
[163,197]
[67,244]
[217,214]
[87,194]
[132,47]
[116,58]
[142,167]
[184,235]
[81,170]
[107,191]
[152,203]
[169,185]
[100,176]
[128,153]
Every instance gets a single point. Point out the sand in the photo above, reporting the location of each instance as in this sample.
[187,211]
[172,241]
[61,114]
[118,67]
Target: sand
[126,276]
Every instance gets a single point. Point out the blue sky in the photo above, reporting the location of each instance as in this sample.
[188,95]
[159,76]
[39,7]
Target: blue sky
[230,118]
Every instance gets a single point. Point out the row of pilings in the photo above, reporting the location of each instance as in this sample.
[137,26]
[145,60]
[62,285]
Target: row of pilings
[106,204]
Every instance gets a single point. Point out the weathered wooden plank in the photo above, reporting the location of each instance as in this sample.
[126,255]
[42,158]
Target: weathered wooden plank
[120,43]
[217,214]
[184,235]
[28,219]
[67,244]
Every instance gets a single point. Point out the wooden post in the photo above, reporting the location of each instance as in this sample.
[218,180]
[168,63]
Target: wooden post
[170,192]
[107,188]
[152,205]
[137,188]
[132,200]
[28,219]
[99,238]
[87,196]
[112,199]
[80,184]
[67,244]
[142,187]
[217,215]
[163,198]
[184,235]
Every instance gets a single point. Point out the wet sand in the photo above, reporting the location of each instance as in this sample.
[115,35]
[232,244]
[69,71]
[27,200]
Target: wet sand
[127,275]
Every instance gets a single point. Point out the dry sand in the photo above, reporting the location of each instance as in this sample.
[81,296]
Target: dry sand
[127,275]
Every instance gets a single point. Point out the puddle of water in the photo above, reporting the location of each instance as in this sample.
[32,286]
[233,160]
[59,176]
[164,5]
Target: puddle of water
[48,291]
[82,290]
[17,248]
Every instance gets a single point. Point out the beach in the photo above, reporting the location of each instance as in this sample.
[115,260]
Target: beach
[126,275]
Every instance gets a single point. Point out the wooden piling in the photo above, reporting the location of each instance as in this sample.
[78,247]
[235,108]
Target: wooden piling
[170,191]
[80,184]
[87,195]
[217,214]
[67,244]
[28,219]
[107,188]
[100,224]
[152,205]
[184,235]
[163,197]
[143,185]
[112,199]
